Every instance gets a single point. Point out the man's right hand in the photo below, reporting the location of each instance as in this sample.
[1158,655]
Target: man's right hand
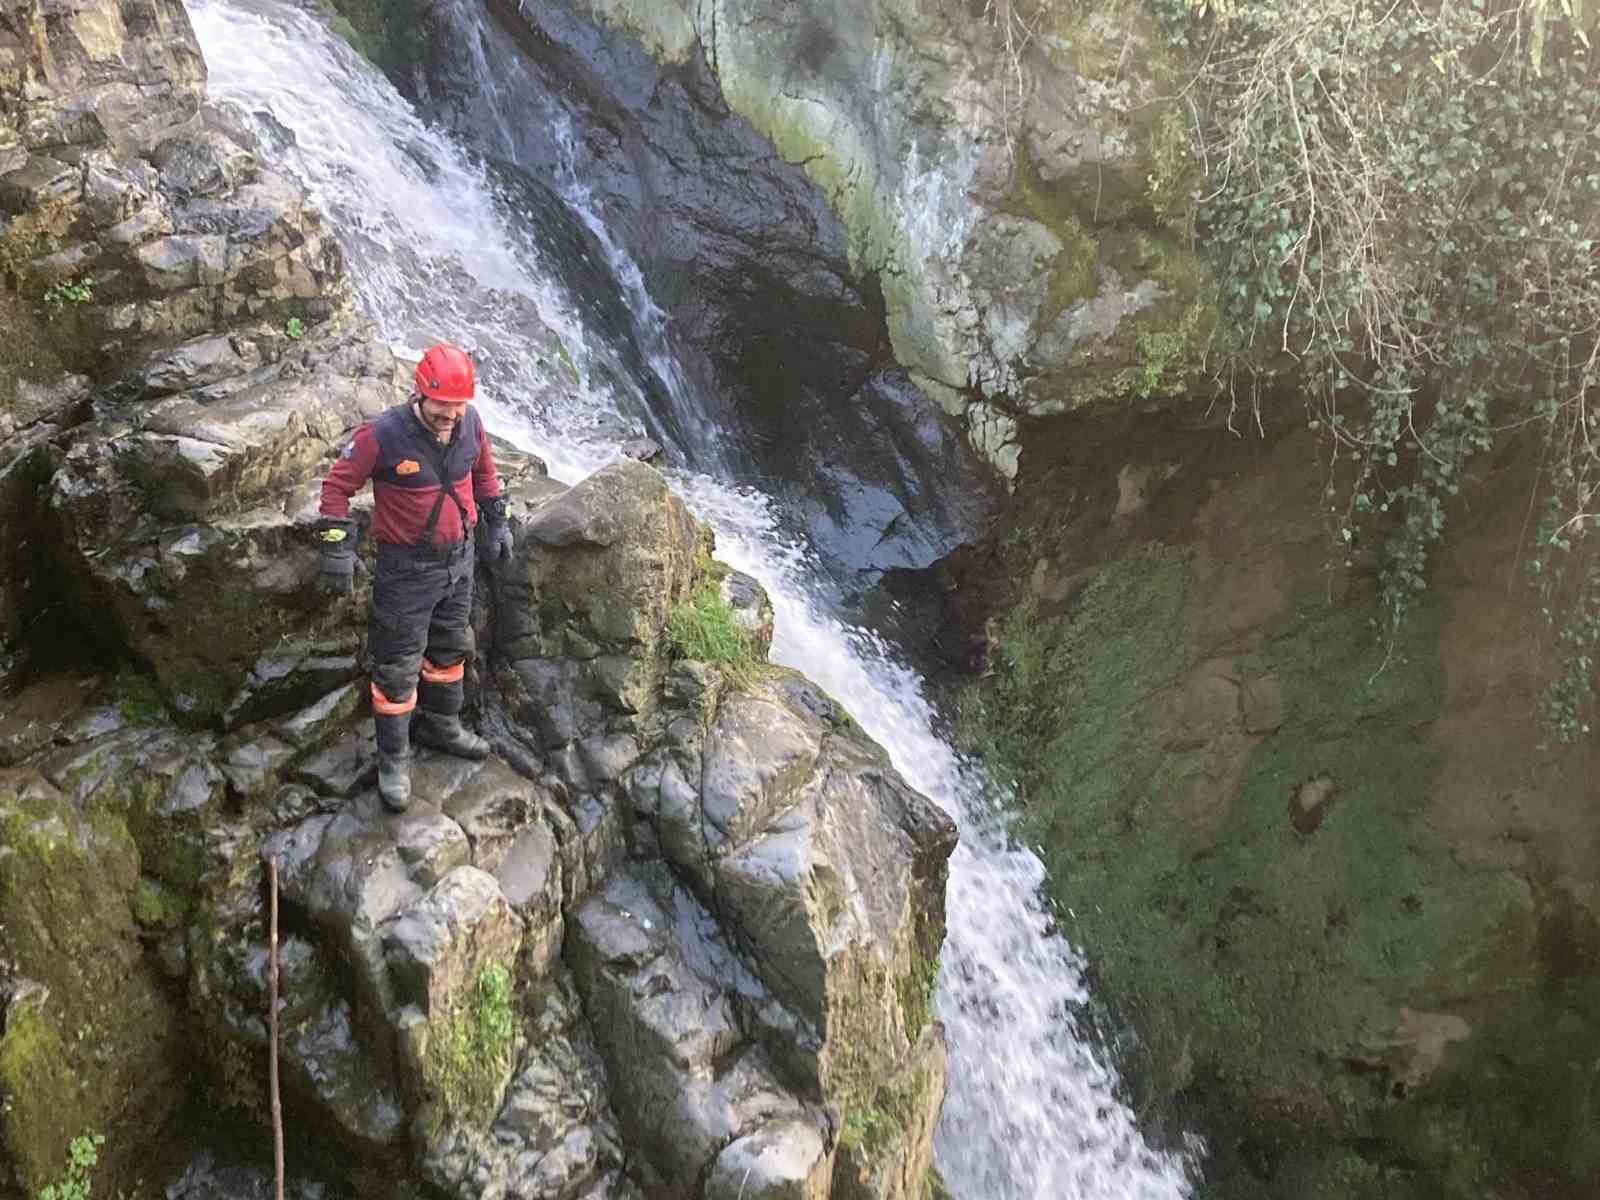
[337,541]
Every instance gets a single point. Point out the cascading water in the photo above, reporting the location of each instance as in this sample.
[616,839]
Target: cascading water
[437,250]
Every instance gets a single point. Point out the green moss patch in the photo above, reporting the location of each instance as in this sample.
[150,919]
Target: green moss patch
[101,1050]
[38,1096]
[468,1054]
[27,351]
[1264,944]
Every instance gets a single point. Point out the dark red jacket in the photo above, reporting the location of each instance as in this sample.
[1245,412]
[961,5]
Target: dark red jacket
[404,460]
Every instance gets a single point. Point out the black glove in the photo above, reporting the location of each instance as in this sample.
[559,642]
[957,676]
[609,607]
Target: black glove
[494,539]
[337,541]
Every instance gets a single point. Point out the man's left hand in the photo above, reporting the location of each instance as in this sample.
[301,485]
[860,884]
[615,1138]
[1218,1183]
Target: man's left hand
[494,538]
[495,542]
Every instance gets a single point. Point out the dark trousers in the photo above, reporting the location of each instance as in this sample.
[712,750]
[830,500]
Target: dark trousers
[421,604]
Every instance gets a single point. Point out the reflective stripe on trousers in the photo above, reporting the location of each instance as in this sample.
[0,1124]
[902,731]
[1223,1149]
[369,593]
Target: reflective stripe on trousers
[421,606]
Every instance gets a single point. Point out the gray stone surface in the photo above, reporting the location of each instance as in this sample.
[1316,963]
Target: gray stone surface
[783,1160]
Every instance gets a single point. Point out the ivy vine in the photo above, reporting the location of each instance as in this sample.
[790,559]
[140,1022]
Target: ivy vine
[1404,209]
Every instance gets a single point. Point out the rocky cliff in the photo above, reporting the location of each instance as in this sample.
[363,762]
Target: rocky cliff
[676,938]
[1328,872]
[1015,175]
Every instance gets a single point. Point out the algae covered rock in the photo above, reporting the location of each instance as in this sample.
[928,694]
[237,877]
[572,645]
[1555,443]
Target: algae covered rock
[1323,870]
[91,1040]
[1023,198]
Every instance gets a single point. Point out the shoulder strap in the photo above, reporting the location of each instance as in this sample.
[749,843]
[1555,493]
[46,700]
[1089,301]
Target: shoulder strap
[439,457]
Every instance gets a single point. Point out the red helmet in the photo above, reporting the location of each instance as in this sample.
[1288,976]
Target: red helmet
[445,374]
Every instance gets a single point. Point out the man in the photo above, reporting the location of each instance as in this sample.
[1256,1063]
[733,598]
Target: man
[432,475]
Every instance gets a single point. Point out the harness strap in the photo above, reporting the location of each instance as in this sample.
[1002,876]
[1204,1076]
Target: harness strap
[440,454]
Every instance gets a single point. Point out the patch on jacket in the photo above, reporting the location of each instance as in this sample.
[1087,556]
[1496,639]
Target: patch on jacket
[349,451]
[408,466]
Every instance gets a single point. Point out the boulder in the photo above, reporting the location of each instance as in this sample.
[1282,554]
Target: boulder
[184,523]
[90,1039]
[663,990]
[327,1066]
[436,947]
[783,1160]
[827,867]
[582,615]
[555,1135]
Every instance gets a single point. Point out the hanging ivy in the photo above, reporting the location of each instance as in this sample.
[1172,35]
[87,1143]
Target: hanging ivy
[1404,206]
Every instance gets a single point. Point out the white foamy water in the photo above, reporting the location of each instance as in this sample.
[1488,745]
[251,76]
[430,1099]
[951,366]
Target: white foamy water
[435,252]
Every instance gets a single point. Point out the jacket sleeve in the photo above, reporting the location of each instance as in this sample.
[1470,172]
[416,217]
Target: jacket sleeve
[350,472]
[485,482]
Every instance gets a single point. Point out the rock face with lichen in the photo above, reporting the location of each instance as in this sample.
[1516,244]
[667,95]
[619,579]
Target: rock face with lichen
[1022,193]
[146,252]
[567,970]
[1325,868]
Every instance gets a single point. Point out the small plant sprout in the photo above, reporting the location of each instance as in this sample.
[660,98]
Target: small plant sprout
[68,292]
[76,1181]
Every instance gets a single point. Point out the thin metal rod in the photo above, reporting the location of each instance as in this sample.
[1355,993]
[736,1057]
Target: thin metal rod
[272,1050]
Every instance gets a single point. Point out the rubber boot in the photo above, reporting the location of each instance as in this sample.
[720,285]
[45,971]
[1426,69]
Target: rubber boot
[438,722]
[394,760]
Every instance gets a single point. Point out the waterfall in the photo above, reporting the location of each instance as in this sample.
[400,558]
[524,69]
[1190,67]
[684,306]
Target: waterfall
[438,249]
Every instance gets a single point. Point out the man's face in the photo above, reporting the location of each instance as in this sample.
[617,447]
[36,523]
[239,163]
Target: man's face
[440,417]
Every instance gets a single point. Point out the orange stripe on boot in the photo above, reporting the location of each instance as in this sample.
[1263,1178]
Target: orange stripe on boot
[433,674]
[386,707]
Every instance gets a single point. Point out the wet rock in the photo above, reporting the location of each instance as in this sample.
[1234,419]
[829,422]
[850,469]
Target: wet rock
[611,555]
[327,1064]
[758,752]
[175,524]
[606,757]
[162,784]
[203,164]
[771,317]
[315,723]
[251,764]
[37,715]
[341,768]
[209,1177]
[683,1080]
[751,608]
[555,1134]
[530,878]
[437,945]
[199,362]
[783,1160]
[51,402]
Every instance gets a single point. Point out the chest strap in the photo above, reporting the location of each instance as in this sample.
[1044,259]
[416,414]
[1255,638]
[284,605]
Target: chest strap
[439,455]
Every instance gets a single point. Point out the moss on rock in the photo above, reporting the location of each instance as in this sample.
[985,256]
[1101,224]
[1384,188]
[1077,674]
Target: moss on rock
[1242,846]
[102,1035]
[37,1096]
